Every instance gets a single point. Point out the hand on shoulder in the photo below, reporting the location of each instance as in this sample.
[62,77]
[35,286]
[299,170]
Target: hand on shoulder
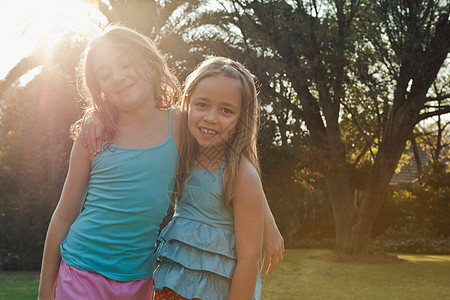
[91,133]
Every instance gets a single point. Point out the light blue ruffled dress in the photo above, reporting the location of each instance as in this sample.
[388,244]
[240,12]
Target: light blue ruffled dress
[197,254]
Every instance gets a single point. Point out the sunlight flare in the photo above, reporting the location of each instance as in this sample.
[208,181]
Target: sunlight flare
[28,25]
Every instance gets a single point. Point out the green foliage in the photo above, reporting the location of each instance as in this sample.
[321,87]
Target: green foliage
[422,215]
[36,147]
[296,194]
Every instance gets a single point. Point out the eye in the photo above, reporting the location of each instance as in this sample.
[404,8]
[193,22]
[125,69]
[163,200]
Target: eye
[201,104]
[102,73]
[103,76]
[227,111]
[125,62]
[126,65]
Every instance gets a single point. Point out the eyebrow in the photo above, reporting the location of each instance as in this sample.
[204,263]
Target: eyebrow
[223,103]
[227,104]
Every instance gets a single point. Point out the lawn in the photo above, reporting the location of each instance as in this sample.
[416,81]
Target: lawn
[300,276]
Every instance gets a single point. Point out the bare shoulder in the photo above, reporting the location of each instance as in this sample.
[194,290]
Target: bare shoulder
[249,190]
[247,171]
[248,179]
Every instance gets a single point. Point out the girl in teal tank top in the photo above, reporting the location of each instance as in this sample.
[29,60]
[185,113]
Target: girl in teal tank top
[211,249]
[123,193]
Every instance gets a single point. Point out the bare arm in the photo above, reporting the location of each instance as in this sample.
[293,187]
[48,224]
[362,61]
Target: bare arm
[248,209]
[68,208]
[273,245]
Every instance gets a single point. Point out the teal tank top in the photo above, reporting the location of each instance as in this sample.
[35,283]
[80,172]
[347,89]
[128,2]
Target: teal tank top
[128,196]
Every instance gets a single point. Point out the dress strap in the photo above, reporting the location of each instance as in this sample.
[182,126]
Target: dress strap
[170,122]
[222,166]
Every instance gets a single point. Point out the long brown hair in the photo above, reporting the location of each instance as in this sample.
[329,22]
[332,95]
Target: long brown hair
[148,63]
[244,139]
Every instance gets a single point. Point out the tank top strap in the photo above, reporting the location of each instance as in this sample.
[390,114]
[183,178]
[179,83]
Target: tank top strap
[222,166]
[170,122]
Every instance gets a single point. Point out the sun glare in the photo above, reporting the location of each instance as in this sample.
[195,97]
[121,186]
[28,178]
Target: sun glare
[27,25]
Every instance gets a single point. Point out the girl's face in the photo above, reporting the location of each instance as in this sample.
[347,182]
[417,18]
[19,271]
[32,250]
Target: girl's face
[214,110]
[119,81]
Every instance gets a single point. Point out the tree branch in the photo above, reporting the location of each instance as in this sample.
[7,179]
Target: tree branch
[427,115]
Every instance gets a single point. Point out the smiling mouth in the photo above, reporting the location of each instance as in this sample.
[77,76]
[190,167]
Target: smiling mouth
[208,131]
[125,88]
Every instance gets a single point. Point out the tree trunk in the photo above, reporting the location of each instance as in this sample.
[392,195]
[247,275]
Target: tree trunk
[337,178]
[398,131]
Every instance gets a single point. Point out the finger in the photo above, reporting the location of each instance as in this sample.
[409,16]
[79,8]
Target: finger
[96,141]
[271,266]
[83,138]
[91,140]
[274,263]
[265,265]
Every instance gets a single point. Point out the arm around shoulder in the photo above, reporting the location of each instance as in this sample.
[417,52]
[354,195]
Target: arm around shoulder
[67,210]
[273,244]
[248,209]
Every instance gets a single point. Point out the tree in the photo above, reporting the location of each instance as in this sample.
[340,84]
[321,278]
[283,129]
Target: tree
[322,50]
[419,35]
[35,152]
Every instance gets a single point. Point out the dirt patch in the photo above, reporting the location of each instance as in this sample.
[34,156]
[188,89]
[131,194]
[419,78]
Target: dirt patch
[370,258]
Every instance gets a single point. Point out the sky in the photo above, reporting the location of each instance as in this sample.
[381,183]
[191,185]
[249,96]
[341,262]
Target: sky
[43,16]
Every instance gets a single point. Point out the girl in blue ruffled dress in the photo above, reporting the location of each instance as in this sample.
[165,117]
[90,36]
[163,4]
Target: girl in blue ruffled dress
[211,249]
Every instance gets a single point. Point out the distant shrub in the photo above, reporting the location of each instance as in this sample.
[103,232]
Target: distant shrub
[325,243]
[413,245]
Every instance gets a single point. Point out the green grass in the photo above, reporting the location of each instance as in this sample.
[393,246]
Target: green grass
[300,276]
[18,285]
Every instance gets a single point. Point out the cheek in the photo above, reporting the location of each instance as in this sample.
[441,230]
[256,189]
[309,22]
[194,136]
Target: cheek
[104,89]
[232,127]
[190,119]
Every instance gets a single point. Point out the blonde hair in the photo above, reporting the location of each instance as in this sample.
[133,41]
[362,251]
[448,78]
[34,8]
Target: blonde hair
[148,63]
[243,141]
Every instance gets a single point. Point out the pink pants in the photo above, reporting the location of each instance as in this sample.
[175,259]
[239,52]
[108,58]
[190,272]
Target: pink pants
[76,284]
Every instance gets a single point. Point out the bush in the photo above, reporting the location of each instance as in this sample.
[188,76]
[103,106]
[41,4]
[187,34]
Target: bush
[297,196]
[413,245]
[413,234]
[325,243]
[422,215]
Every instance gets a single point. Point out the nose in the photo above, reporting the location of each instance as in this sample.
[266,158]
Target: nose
[118,75]
[210,116]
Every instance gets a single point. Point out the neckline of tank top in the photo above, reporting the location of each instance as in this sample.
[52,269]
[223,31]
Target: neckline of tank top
[168,139]
[217,173]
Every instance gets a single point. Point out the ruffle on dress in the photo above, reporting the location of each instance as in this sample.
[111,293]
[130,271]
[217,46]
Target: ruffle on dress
[199,255]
